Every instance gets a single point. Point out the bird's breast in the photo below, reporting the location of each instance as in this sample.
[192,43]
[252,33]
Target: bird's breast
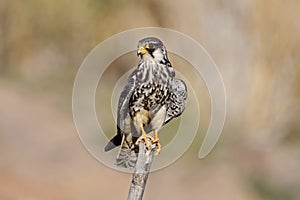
[153,87]
[149,95]
[152,72]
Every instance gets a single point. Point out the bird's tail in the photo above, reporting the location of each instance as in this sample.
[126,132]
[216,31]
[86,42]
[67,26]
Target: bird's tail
[127,156]
[114,142]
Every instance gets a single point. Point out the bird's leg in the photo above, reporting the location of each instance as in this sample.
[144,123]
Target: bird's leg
[156,142]
[144,137]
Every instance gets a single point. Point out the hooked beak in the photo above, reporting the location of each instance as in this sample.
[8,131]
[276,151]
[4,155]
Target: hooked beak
[141,51]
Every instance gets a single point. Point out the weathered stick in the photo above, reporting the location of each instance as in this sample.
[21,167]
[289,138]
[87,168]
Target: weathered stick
[141,172]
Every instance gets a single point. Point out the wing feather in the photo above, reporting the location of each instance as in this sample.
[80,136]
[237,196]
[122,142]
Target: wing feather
[177,100]
[123,104]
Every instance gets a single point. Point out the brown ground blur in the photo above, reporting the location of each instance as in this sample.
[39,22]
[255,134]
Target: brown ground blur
[256,46]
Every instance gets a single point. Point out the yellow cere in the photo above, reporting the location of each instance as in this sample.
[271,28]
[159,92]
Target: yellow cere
[143,50]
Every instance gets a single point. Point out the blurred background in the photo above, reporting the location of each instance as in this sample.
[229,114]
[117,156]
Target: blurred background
[256,46]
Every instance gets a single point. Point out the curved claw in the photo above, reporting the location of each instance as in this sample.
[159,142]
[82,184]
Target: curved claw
[146,139]
[158,148]
[156,142]
[149,140]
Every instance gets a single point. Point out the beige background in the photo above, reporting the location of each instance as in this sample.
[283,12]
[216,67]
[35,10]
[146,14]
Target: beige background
[256,45]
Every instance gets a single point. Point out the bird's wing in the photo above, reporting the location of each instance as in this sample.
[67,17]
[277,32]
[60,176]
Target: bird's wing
[127,156]
[177,100]
[123,104]
[123,117]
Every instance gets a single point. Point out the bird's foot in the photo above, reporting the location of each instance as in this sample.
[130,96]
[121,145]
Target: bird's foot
[156,142]
[149,142]
[147,139]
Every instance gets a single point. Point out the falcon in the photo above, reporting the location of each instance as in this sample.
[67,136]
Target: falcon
[151,98]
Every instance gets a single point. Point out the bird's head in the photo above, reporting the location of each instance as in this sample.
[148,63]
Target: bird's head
[152,49]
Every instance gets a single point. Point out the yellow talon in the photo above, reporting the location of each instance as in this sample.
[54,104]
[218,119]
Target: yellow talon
[144,137]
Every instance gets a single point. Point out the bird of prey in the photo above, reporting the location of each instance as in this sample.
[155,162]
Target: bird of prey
[150,99]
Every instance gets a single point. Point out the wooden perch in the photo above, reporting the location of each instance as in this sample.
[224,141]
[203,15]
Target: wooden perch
[141,172]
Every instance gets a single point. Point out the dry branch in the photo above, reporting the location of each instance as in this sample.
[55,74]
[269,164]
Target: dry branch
[141,172]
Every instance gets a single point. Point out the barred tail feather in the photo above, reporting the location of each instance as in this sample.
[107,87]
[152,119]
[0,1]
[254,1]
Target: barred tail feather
[127,157]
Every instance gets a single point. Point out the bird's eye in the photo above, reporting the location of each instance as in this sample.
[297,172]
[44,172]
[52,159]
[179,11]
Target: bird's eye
[150,46]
